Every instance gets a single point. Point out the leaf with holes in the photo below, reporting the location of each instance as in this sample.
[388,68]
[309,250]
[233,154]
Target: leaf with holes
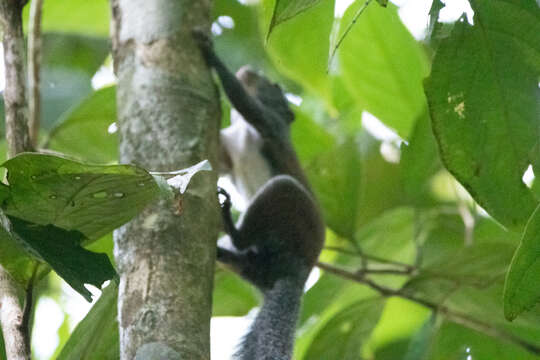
[484,102]
[91,199]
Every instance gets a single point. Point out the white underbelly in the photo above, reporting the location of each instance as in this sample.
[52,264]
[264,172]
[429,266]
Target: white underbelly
[250,170]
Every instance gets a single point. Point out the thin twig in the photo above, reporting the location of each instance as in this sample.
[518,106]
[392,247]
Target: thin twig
[347,30]
[34,65]
[367,271]
[369,257]
[454,316]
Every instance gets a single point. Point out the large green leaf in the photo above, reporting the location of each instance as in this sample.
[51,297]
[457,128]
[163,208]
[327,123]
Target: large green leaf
[84,131]
[522,288]
[75,16]
[302,55]
[96,336]
[343,336]
[68,65]
[484,101]
[91,199]
[390,235]
[383,66]
[241,44]
[420,161]
[14,255]
[455,342]
[354,183]
[284,10]
[61,249]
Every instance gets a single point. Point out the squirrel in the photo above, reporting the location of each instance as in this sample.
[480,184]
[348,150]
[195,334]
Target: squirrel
[279,237]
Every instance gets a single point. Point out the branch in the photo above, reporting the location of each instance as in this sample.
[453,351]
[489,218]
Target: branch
[367,257]
[34,64]
[12,316]
[16,336]
[455,316]
[16,106]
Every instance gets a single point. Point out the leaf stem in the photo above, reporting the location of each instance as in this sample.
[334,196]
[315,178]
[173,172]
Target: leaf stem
[347,30]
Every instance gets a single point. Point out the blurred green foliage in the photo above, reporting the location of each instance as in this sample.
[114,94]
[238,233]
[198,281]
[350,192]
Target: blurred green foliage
[393,210]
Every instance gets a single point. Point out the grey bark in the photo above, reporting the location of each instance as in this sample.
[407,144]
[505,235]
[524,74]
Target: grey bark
[12,316]
[16,336]
[15,92]
[168,117]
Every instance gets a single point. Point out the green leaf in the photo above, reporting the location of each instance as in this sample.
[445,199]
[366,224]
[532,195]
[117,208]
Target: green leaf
[343,336]
[84,130]
[241,44]
[522,287]
[420,161]
[484,102]
[69,63]
[75,16]
[454,341]
[434,26]
[62,251]
[232,296]
[14,256]
[420,344]
[96,336]
[354,183]
[477,266]
[77,52]
[287,9]
[383,66]
[390,235]
[302,55]
[91,199]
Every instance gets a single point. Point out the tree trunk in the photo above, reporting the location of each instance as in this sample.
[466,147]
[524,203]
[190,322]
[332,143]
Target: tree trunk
[13,318]
[169,115]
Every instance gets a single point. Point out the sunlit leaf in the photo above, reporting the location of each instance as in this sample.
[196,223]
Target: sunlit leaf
[284,10]
[88,131]
[96,336]
[302,55]
[75,16]
[522,288]
[383,66]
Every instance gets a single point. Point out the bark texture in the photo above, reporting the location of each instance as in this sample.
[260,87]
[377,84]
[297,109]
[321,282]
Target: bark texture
[15,92]
[12,316]
[16,337]
[168,115]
